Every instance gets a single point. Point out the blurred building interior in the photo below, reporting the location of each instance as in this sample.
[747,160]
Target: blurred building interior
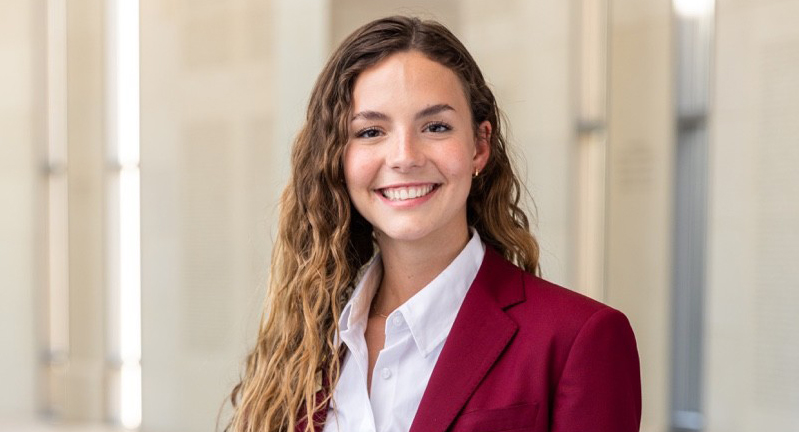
[144,145]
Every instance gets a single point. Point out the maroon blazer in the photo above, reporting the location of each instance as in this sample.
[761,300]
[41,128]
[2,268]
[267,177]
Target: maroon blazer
[527,355]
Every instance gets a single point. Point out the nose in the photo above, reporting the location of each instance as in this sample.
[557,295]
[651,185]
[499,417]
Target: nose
[405,152]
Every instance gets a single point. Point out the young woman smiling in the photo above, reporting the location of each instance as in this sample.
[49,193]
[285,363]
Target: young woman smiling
[403,293]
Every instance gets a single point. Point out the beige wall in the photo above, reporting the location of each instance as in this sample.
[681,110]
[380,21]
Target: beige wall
[73,392]
[347,15]
[22,116]
[84,380]
[523,48]
[752,366]
[223,89]
[640,179]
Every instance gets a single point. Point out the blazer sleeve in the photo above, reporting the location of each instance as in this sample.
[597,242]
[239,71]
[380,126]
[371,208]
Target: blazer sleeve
[600,387]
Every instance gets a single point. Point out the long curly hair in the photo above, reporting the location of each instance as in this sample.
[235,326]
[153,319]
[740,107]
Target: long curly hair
[323,242]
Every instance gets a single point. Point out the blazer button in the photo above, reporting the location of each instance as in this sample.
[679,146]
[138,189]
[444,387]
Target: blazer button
[385,373]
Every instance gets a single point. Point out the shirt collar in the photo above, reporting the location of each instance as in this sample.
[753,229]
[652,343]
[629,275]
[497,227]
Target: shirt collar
[356,312]
[431,312]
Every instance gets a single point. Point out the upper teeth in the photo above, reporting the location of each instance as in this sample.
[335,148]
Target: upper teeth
[403,193]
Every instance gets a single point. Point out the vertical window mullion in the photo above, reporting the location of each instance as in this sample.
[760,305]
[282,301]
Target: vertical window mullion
[591,133]
[123,226]
[55,334]
[693,23]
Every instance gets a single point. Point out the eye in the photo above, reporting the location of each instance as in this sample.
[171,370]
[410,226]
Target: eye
[370,132]
[437,127]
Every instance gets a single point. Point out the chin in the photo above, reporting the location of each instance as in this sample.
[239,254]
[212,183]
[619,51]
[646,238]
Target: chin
[407,234]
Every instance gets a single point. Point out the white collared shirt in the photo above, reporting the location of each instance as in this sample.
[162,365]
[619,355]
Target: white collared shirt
[415,335]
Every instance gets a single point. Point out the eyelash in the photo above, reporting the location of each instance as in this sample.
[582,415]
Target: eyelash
[446,127]
[361,133]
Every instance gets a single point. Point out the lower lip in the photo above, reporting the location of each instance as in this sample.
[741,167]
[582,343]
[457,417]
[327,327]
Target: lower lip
[408,203]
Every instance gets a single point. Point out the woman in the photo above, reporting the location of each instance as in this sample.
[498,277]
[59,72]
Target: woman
[402,294]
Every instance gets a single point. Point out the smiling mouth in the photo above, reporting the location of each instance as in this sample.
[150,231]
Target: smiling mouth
[407,192]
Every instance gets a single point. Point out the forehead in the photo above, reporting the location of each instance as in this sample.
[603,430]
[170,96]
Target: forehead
[408,80]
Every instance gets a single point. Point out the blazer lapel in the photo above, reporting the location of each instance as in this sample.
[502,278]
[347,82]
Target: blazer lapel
[320,416]
[477,338]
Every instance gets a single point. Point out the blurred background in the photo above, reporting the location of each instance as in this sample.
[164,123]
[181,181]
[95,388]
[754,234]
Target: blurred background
[144,144]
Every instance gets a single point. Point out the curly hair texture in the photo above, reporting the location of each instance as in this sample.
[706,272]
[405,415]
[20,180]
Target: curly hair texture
[323,241]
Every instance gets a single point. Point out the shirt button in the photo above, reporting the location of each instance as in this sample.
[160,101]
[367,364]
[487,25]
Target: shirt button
[397,320]
[385,373]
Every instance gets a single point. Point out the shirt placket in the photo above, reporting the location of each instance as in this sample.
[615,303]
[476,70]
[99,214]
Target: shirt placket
[357,345]
[385,374]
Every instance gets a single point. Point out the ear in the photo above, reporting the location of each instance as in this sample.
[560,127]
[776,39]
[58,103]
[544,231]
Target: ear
[482,145]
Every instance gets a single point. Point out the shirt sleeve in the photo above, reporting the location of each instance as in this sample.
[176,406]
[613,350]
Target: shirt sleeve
[600,387]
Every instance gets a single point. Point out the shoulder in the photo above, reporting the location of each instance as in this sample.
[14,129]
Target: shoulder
[573,331]
[590,350]
[546,311]
[569,353]
[557,303]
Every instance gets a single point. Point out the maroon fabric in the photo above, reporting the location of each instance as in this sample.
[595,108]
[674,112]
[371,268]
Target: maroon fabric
[528,355]
[320,415]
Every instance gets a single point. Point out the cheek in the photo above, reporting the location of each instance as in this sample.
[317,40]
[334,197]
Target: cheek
[457,163]
[349,163]
[356,170]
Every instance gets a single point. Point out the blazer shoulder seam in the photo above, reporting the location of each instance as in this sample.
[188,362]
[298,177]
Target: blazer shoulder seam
[591,317]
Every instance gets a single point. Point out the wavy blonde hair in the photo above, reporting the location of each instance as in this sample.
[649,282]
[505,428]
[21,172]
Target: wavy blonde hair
[323,241]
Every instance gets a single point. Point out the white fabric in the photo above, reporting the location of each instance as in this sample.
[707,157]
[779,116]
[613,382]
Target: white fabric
[415,335]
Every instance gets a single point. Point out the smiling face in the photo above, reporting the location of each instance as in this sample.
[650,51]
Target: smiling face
[412,150]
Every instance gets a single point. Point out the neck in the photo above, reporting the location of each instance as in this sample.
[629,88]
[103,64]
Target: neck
[408,266]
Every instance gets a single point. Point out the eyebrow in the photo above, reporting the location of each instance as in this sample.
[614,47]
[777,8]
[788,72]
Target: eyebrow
[377,115]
